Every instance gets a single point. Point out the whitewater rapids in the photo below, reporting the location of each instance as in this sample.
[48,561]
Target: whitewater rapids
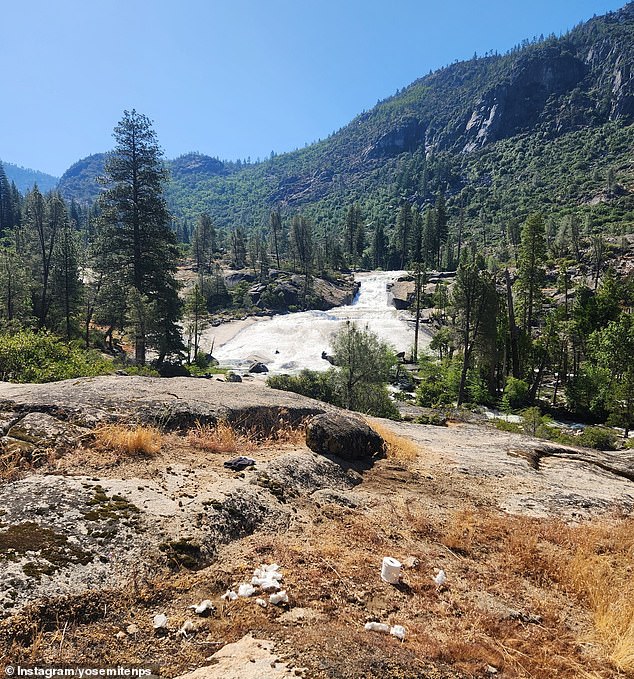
[289,343]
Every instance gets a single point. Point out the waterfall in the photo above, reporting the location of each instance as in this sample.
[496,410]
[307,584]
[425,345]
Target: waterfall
[290,342]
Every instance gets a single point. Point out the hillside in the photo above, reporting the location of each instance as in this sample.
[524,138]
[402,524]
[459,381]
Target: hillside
[25,178]
[547,126]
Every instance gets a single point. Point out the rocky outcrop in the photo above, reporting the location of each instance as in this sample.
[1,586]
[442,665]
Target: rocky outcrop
[63,410]
[258,367]
[517,104]
[347,437]
[64,534]
[402,292]
[288,292]
[408,135]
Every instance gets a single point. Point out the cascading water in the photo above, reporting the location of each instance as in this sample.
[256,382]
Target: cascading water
[291,342]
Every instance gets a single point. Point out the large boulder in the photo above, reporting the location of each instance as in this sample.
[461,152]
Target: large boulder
[345,436]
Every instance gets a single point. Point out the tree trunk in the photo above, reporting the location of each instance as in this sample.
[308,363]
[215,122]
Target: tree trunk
[513,329]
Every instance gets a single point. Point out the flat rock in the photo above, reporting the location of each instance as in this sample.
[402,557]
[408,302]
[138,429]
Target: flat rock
[169,402]
[248,658]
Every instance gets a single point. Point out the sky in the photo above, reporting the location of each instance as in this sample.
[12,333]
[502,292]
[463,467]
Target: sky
[232,78]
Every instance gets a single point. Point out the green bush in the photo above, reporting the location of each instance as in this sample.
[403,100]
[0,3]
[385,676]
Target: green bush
[326,386]
[512,427]
[515,394]
[28,356]
[598,438]
[439,382]
[311,383]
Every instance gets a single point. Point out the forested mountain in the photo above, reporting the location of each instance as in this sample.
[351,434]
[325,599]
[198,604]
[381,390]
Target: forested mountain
[546,126]
[25,179]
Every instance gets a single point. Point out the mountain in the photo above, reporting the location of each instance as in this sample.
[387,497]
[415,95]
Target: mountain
[546,126]
[79,182]
[25,178]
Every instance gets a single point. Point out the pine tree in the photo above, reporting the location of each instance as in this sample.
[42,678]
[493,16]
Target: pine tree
[275,222]
[379,244]
[530,270]
[402,234]
[442,229]
[238,248]
[66,282]
[44,220]
[141,244]
[204,243]
[8,206]
[303,242]
[475,302]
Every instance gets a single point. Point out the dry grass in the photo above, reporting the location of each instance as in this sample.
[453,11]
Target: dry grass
[600,572]
[215,438]
[224,437]
[398,447]
[593,562]
[136,441]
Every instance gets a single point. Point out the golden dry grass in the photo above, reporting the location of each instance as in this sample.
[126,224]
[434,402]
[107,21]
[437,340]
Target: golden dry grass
[214,438]
[125,440]
[223,437]
[398,447]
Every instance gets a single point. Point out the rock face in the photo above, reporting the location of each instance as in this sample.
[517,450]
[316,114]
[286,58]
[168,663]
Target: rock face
[171,402]
[517,105]
[408,136]
[347,437]
[62,534]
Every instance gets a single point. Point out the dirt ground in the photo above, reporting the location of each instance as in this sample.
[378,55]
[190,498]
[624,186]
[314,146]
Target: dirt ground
[538,566]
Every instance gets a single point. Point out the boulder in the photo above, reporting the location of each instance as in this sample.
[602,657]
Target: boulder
[345,436]
[258,367]
[233,377]
[402,293]
[237,277]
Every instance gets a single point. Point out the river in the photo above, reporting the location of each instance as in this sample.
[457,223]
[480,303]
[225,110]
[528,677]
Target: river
[287,343]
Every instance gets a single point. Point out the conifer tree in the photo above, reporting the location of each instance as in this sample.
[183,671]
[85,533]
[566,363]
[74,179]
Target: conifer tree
[204,243]
[141,244]
[8,206]
[442,229]
[275,223]
[403,230]
[66,283]
[379,244]
[475,302]
[44,220]
[304,245]
[530,269]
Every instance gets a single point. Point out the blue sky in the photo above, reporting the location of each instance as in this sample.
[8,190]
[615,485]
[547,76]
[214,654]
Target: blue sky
[232,78]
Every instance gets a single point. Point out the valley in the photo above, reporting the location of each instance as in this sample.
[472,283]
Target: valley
[360,410]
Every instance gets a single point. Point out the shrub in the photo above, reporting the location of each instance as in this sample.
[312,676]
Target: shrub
[597,437]
[216,438]
[512,427]
[359,382]
[318,385]
[28,356]
[515,394]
